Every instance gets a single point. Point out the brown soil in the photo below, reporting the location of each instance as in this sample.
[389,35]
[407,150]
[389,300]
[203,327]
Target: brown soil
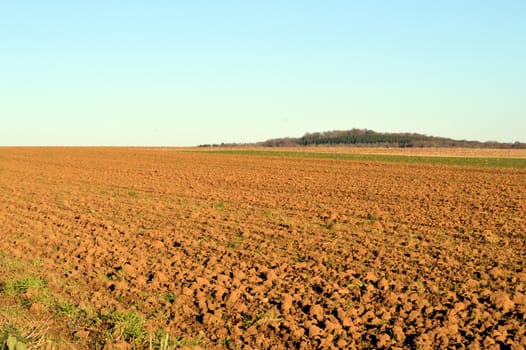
[266,252]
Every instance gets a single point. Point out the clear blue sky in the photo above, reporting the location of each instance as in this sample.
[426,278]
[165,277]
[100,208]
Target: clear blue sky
[108,72]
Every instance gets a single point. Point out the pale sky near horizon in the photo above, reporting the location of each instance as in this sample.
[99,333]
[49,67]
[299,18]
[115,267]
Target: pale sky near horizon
[183,73]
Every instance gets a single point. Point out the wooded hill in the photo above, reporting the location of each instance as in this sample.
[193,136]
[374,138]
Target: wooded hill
[365,137]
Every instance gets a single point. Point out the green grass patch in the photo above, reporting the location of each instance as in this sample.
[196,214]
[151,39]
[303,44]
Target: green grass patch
[219,205]
[516,163]
[16,287]
[11,338]
[127,326]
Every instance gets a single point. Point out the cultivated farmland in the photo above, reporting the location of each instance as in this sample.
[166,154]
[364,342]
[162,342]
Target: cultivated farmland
[163,248]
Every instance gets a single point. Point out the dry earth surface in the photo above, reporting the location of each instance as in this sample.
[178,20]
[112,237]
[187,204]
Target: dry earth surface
[114,247]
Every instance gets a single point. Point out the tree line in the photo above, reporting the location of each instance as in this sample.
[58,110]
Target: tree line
[365,137]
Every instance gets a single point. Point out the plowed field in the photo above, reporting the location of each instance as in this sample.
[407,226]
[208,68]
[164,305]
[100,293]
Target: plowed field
[240,251]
